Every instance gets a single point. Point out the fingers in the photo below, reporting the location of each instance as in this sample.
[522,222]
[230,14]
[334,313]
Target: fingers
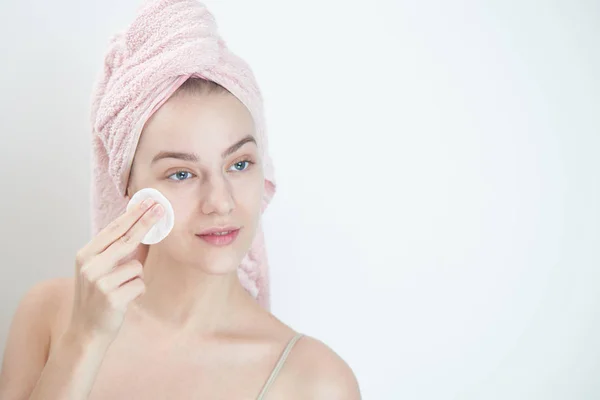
[104,262]
[120,276]
[112,232]
[123,295]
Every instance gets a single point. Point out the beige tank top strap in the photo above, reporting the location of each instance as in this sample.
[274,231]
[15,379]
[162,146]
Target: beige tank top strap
[278,366]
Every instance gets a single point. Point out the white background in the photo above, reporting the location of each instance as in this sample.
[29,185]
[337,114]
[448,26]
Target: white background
[437,220]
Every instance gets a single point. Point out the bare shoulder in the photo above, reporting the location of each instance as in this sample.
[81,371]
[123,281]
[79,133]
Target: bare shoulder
[50,298]
[46,297]
[59,291]
[53,293]
[324,374]
[55,289]
[28,343]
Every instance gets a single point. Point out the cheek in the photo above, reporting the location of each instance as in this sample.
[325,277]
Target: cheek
[183,208]
[248,194]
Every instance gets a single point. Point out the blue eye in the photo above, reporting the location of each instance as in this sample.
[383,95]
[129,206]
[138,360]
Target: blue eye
[237,164]
[179,175]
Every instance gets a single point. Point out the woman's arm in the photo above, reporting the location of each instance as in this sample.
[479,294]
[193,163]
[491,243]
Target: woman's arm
[27,372]
[323,373]
[71,368]
[334,380]
[27,344]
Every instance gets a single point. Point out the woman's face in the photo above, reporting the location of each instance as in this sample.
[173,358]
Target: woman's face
[207,185]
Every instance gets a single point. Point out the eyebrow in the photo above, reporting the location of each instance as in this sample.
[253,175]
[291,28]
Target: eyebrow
[193,157]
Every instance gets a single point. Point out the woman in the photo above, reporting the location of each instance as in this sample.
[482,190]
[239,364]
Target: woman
[174,321]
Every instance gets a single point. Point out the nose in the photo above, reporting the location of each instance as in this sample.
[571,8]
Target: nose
[217,196]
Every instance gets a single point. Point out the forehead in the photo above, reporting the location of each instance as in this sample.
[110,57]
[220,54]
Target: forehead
[199,121]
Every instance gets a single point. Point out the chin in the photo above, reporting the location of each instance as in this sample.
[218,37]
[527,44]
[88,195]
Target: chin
[218,261]
[209,258]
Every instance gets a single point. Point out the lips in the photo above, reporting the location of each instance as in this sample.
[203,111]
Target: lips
[218,229]
[220,240]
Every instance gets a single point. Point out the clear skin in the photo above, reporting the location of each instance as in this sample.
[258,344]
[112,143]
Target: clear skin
[172,320]
[190,284]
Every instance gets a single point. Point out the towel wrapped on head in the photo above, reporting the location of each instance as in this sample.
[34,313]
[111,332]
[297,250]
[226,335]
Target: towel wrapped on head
[168,42]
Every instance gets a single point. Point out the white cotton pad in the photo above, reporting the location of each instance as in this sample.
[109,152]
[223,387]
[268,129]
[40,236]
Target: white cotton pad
[163,226]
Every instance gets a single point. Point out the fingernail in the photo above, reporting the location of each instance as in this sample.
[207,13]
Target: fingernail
[158,210]
[146,204]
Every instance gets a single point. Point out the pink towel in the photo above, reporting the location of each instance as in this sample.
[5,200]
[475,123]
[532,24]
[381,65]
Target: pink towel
[168,41]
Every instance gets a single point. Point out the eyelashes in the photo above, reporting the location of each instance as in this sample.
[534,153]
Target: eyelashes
[179,172]
[246,161]
[250,162]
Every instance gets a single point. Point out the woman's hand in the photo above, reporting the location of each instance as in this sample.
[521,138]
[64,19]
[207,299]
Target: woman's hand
[104,289]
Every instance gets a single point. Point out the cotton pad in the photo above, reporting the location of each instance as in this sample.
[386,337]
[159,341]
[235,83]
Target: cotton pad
[163,226]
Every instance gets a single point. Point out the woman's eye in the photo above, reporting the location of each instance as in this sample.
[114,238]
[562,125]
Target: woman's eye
[239,166]
[180,175]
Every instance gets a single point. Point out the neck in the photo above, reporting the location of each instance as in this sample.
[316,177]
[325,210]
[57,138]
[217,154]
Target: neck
[185,299]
